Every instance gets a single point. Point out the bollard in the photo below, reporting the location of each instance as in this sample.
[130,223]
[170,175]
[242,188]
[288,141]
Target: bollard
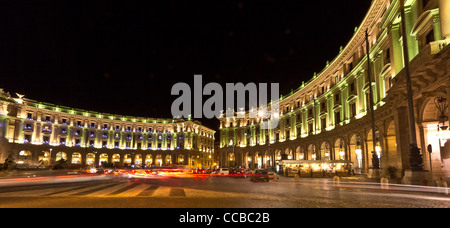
[384,183]
[336,180]
[296,178]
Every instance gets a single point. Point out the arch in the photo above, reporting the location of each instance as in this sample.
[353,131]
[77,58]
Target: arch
[340,152]
[391,157]
[158,160]
[268,161]
[231,159]
[61,155]
[168,159]
[356,153]
[325,153]
[288,153]
[429,117]
[44,158]
[258,160]
[378,146]
[116,159]
[374,148]
[103,159]
[76,158]
[429,112]
[278,155]
[127,160]
[148,160]
[180,159]
[248,160]
[90,159]
[25,157]
[138,160]
[312,152]
[299,153]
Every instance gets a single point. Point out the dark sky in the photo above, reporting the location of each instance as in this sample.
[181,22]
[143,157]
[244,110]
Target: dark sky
[123,57]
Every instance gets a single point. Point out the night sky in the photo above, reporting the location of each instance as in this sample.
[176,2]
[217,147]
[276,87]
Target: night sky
[123,57]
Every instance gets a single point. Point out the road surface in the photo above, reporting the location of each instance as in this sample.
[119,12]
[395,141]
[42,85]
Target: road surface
[123,191]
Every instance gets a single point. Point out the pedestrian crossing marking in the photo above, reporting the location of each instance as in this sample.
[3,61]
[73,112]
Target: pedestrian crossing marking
[64,190]
[162,192]
[121,189]
[177,192]
[148,191]
[132,192]
[74,191]
[87,192]
[107,191]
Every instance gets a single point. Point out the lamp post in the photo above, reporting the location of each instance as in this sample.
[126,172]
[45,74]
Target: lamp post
[266,116]
[415,158]
[375,157]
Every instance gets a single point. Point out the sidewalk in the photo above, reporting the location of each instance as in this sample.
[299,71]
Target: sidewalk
[362,182]
[31,173]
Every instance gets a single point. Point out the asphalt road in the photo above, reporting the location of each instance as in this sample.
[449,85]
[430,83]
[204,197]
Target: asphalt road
[210,192]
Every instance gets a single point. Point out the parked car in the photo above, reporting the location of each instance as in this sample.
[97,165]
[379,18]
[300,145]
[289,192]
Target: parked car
[260,175]
[224,171]
[271,174]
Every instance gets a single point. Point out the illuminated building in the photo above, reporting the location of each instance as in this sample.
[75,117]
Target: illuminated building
[34,132]
[328,118]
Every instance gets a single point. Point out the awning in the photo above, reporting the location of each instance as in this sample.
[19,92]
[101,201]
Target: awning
[315,162]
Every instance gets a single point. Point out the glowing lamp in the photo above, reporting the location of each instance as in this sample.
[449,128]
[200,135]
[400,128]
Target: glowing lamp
[443,135]
[358,152]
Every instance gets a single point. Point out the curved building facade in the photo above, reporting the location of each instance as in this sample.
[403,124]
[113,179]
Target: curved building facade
[327,120]
[36,133]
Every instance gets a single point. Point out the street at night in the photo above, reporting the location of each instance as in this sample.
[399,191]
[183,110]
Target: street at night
[205,191]
[244,109]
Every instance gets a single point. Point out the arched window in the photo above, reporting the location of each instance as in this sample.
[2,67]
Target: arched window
[76,158]
[61,155]
[90,159]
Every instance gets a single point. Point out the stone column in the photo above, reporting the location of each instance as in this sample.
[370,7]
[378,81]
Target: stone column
[437,28]
[413,47]
[4,123]
[345,113]
[444,12]
[448,100]
[396,48]
[18,131]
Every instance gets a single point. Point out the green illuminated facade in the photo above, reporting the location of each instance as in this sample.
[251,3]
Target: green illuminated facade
[328,118]
[36,133]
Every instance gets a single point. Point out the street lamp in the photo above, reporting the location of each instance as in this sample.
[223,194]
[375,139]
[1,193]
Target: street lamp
[443,132]
[341,150]
[415,158]
[375,157]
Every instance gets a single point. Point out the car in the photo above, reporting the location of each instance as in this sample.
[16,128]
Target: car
[260,175]
[271,174]
[198,171]
[224,171]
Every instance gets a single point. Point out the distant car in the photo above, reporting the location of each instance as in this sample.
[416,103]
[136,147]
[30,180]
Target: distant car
[241,171]
[224,171]
[198,171]
[260,175]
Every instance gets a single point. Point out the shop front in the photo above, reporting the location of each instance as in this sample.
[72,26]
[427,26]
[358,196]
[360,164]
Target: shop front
[315,168]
